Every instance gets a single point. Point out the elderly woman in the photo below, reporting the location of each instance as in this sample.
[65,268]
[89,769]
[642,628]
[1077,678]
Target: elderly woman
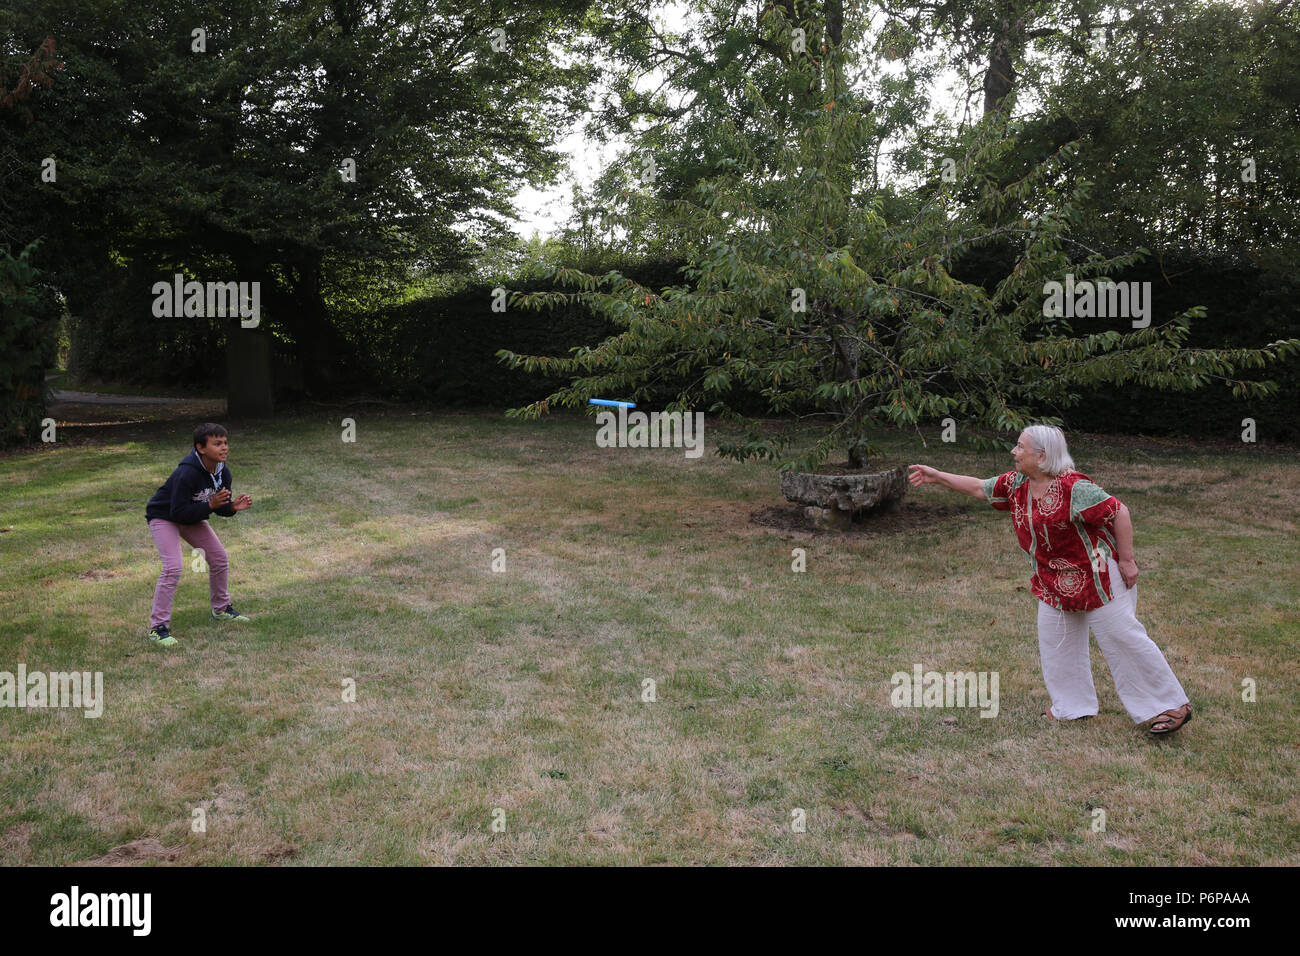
[1080,543]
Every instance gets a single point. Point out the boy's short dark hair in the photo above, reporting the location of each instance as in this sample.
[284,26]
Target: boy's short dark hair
[208,430]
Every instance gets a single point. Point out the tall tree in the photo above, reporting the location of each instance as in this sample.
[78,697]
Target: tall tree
[229,153]
[809,296]
[669,91]
[29,311]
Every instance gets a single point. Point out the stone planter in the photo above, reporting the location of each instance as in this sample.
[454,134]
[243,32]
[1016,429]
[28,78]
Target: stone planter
[835,500]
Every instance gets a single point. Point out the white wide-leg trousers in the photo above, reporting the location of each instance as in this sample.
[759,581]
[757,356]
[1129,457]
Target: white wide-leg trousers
[1145,684]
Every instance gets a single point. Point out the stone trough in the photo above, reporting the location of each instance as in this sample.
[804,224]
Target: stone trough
[834,501]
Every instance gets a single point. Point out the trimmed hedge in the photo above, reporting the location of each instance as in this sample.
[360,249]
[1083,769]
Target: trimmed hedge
[1246,307]
[115,337]
[443,349]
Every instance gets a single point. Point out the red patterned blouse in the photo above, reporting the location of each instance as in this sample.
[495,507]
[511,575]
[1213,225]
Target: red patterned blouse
[1067,534]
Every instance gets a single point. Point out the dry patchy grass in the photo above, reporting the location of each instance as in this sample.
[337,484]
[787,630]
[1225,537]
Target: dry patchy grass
[521,691]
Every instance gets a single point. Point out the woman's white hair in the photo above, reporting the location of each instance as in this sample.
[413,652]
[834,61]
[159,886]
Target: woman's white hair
[1050,440]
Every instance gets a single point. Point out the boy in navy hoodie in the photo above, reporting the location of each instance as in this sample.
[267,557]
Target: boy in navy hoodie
[200,485]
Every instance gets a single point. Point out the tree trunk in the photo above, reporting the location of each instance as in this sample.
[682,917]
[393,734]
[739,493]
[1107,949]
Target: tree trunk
[846,353]
[1001,72]
[835,21]
[248,362]
[320,350]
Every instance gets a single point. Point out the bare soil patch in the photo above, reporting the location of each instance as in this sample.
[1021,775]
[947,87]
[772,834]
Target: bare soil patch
[904,518]
[85,413]
[281,850]
[98,574]
[138,851]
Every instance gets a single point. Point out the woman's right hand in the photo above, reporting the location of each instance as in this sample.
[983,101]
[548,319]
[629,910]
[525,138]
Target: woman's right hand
[923,475]
[1128,570]
[220,499]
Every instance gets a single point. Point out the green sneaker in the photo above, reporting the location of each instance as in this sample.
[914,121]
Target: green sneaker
[228,613]
[161,636]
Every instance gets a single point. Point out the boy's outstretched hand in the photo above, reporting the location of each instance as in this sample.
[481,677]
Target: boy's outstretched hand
[922,475]
[242,503]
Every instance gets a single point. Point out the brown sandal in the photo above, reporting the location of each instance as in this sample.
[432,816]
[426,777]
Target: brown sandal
[1173,719]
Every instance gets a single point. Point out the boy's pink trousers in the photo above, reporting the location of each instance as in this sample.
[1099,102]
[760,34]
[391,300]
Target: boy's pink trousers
[167,536]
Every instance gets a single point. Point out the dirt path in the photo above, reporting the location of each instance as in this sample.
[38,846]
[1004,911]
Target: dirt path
[93,417]
[103,398]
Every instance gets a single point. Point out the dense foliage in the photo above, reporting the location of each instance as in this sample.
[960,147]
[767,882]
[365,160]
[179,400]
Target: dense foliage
[28,321]
[809,294]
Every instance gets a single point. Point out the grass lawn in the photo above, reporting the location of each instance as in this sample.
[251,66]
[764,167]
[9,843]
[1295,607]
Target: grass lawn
[522,690]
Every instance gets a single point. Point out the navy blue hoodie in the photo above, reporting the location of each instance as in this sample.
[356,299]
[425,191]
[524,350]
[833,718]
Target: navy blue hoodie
[183,498]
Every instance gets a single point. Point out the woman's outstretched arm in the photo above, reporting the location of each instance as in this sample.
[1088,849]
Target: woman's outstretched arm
[967,485]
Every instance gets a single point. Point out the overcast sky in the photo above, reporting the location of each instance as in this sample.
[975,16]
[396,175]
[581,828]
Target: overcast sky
[546,211]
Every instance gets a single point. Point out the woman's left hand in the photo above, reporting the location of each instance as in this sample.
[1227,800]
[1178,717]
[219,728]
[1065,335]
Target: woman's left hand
[242,503]
[1128,570]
